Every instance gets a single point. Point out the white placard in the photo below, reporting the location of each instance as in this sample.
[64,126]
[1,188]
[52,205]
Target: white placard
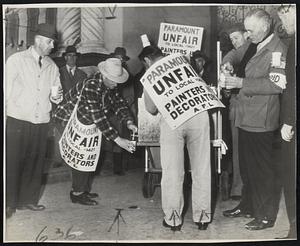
[177,91]
[80,144]
[181,39]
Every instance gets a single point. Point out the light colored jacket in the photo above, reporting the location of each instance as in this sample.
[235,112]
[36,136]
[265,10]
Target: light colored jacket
[28,87]
[258,100]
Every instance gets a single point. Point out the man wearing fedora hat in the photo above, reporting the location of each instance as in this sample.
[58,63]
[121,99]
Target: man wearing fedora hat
[112,151]
[99,98]
[120,53]
[30,75]
[70,75]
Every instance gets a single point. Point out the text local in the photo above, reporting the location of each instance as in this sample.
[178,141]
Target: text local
[173,77]
[69,150]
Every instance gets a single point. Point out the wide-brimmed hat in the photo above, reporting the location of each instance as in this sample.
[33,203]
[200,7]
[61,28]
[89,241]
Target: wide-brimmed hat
[113,70]
[46,30]
[71,49]
[121,52]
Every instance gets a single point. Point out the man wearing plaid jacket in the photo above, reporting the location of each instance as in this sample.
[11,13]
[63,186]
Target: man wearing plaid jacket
[99,98]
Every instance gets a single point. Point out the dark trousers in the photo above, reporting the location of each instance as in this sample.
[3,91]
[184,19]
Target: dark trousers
[260,193]
[25,158]
[120,161]
[288,172]
[81,181]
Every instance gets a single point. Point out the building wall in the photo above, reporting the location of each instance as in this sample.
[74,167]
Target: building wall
[146,20]
[130,23]
[113,31]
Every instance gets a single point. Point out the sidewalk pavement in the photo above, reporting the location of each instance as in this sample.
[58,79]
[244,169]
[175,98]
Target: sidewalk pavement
[63,221]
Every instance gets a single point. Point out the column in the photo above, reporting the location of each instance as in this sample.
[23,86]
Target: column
[92,30]
[67,26]
[42,15]
[22,39]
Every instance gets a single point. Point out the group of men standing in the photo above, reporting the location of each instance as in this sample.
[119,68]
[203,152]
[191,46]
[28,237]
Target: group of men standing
[264,72]
[35,87]
[260,78]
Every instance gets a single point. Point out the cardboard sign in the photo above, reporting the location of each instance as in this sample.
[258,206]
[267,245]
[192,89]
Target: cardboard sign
[80,144]
[177,91]
[179,38]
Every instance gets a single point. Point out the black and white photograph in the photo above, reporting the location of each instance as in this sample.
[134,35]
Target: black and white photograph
[149,122]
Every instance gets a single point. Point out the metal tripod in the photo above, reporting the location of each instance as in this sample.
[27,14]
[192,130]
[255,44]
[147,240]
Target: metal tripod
[117,218]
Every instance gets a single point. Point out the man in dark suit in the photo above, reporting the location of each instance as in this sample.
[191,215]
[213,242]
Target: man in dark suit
[70,75]
[287,14]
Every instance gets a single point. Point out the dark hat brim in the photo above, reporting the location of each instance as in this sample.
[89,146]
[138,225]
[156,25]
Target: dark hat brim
[125,58]
[77,53]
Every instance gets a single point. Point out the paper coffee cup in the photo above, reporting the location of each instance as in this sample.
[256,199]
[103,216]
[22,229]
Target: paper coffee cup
[134,144]
[276,59]
[54,90]
[145,40]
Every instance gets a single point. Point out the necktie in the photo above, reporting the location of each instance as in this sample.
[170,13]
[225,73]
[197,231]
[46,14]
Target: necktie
[40,61]
[71,72]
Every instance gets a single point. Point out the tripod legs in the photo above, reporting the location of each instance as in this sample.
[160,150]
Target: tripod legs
[117,219]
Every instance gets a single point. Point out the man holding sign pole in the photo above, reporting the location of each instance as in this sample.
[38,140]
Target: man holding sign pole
[98,97]
[192,131]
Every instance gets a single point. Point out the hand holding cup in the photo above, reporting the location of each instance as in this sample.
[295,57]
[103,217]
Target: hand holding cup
[56,94]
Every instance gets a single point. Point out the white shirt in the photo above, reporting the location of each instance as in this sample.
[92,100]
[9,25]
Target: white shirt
[36,56]
[28,86]
[71,69]
[265,42]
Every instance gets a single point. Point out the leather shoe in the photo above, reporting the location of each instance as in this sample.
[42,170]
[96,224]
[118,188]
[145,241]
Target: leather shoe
[173,228]
[82,199]
[9,212]
[91,195]
[32,207]
[202,225]
[236,212]
[259,224]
